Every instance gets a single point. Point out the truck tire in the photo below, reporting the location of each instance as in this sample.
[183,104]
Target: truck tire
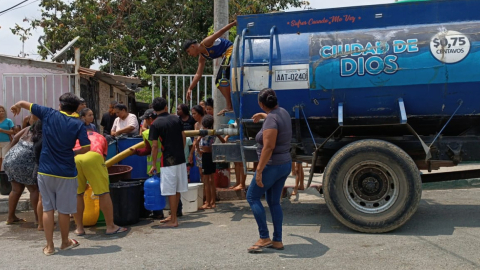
[372,186]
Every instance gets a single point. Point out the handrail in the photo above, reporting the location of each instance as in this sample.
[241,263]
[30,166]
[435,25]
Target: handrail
[240,113]
[270,64]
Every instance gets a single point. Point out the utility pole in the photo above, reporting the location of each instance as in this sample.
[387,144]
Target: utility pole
[77,75]
[220,19]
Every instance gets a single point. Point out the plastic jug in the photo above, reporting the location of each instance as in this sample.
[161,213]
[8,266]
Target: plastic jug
[92,207]
[194,175]
[222,175]
[153,197]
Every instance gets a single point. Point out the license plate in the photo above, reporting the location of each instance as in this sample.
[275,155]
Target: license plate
[291,75]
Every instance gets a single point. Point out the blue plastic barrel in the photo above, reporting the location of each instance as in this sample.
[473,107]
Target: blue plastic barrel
[138,163]
[112,149]
[154,200]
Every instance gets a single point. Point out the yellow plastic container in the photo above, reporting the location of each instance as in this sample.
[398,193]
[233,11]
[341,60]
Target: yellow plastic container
[92,207]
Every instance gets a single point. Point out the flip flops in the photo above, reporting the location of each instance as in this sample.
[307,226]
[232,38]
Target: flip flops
[48,253]
[75,243]
[258,248]
[16,221]
[79,234]
[279,248]
[119,230]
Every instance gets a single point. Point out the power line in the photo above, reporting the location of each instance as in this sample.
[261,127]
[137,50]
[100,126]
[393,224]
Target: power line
[19,7]
[13,6]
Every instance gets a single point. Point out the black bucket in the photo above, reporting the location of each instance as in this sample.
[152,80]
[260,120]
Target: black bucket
[125,199]
[5,186]
[143,213]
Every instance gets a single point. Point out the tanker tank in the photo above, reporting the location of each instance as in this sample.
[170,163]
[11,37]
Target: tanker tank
[366,58]
[376,94]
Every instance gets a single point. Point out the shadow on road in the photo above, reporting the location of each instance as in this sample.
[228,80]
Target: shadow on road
[184,225]
[433,219]
[313,249]
[430,219]
[238,212]
[94,250]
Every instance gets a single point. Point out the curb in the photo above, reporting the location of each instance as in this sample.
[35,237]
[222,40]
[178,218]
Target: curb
[23,205]
[455,184]
[226,194]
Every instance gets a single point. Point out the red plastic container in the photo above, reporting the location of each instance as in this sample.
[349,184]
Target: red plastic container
[222,175]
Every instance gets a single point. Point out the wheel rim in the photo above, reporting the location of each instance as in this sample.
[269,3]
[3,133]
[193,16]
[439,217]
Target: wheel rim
[371,187]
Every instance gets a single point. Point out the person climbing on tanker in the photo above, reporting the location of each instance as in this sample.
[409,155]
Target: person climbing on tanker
[210,48]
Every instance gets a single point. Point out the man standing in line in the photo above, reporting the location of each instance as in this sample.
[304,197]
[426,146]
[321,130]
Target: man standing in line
[210,48]
[57,173]
[168,129]
[108,118]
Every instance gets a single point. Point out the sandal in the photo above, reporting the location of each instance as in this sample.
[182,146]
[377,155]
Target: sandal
[258,248]
[16,221]
[119,230]
[74,242]
[279,248]
[79,234]
[48,253]
[204,207]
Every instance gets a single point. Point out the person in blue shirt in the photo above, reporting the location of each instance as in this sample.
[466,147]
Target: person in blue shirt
[6,129]
[210,48]
[57,173]
[86,115]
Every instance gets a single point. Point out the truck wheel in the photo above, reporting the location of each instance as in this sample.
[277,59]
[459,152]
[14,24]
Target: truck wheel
[372,186]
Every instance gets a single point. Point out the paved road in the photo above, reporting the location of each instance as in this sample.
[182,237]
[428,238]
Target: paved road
[443,234]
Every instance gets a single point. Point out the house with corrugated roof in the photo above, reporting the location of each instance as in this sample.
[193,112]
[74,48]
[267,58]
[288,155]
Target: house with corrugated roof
[43,82]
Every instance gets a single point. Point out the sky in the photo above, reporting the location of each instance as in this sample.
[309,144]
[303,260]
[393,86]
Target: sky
[11,45]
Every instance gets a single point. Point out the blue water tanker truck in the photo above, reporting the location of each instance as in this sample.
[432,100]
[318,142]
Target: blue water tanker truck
[376,94]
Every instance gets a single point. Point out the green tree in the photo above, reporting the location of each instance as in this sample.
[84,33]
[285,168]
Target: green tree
[137,34]
[134,33]
[24,33]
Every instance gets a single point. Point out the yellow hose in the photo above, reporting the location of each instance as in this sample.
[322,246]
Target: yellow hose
[124,154]
[193,133]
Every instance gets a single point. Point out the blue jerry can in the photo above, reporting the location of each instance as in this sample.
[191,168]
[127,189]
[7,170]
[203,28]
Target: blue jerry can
[153,197]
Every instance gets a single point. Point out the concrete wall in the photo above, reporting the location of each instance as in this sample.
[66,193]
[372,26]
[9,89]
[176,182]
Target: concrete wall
[38,82]
[104,94]
[119,95]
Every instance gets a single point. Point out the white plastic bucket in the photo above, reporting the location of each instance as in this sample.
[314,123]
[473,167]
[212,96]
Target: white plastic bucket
[193,198]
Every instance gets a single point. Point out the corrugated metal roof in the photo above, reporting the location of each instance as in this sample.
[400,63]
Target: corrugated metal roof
[33,62]
[115,80]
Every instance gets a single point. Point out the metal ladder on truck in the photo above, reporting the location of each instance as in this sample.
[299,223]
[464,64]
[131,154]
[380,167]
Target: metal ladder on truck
[242,65]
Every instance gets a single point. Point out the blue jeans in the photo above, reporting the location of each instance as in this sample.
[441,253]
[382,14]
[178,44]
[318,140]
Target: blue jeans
[273,178]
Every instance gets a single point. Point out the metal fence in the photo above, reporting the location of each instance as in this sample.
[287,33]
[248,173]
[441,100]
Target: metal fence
[173,87]
[40,88]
